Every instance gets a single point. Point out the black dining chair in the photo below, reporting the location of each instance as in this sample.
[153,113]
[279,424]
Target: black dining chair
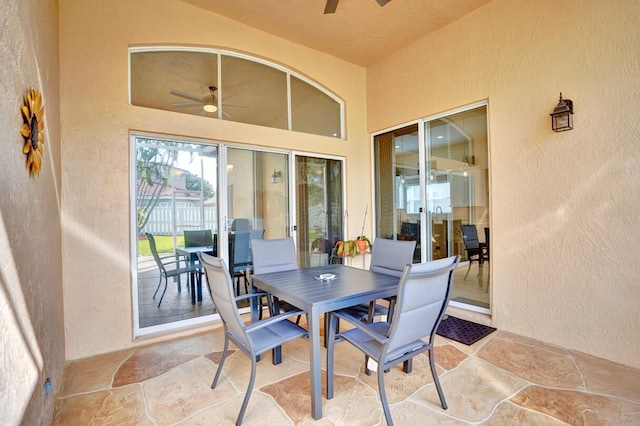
[423,295]
[169,267]
[252,339]
[240,260]
[476,251]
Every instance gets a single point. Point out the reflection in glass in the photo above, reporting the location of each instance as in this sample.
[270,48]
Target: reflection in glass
[244,90]
[177,81]
[313,111]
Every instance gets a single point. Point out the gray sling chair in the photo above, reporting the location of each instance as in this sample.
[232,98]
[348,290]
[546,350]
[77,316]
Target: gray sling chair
[423,295]
[169,267]
[275,255]
[387,257]
[252,339]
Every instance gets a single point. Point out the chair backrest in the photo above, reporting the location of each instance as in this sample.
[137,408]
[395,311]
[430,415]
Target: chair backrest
[241,224]
[154,252]
[390,256]
[470,236]
[274,255]
[240,249]
[423,295]
[200,237]
[221,289]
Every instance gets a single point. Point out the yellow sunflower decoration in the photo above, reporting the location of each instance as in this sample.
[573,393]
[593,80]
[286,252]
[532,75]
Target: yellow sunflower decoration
[33,130]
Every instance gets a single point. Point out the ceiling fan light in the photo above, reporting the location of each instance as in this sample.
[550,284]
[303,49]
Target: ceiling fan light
[209,108]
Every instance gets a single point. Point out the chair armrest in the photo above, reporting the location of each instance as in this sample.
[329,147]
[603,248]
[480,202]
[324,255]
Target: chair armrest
[364,327]
[272,320]
[250,295]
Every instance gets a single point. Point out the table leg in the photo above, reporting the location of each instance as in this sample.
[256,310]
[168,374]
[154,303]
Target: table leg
[192,284]
[313,320]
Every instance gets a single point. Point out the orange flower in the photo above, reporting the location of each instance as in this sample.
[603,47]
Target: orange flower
[33,130]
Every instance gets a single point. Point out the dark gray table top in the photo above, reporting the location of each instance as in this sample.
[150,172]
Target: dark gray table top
[352,286]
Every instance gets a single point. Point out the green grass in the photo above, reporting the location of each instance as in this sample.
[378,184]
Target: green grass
[164,244]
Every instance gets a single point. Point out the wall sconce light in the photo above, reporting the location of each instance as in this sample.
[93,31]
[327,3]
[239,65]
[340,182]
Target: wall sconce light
[562,115]
[275,177]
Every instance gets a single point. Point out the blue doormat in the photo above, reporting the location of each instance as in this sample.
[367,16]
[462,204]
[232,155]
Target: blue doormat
[463,331]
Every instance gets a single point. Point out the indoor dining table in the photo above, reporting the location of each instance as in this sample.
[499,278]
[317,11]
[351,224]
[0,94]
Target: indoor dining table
[303,289]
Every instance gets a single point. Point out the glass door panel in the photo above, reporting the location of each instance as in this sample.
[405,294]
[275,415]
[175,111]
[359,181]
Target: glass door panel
[258,191]
[319,208]
[175,192]
[397,182]
[456,194]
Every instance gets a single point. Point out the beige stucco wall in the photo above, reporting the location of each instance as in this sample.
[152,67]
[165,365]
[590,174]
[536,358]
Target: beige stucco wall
[31,310]
[95,116]
[564,206]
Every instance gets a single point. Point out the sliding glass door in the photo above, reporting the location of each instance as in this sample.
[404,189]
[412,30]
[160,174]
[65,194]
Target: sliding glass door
[183,188]
[431,178]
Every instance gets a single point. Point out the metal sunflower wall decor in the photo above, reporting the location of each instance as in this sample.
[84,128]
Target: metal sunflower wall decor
[33,130]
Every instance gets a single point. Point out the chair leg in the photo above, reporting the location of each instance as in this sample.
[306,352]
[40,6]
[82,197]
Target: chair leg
[245,402]
[392,308]
[224,357]
[383,397]
[330,343]
[158,288]
[434,373]
[163,291]
[468,269]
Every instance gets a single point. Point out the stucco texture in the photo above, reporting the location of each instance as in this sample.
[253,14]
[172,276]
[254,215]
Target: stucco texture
[564,206]
[31,309]
[96,117]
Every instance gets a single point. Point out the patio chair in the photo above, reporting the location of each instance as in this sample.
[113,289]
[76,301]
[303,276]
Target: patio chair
[423,295]
[240,260]
[274,256]
[387,257]
[476,251]
[169,267]
[252,339]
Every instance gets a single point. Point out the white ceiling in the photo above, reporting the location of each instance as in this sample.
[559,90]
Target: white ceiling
[360,32]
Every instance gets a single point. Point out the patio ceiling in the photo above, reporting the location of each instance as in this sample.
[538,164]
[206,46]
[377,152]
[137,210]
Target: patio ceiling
[360,31]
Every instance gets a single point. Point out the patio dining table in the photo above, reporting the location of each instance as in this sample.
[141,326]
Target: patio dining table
[191,253]
[302,289]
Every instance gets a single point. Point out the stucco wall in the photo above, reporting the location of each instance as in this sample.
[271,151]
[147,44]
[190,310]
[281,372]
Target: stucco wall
[31,313]
[564,206]
[94,37]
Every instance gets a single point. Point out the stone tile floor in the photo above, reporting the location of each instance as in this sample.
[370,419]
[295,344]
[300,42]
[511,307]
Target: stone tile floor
[501,380]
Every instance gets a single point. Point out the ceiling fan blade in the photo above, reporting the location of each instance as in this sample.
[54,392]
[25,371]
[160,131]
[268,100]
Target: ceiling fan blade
[331,6]
[383,2]
[186,104]
[230,96]
[186,95]
[235,106]
[226,114]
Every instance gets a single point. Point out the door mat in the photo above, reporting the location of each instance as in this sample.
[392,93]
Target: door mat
[463,331]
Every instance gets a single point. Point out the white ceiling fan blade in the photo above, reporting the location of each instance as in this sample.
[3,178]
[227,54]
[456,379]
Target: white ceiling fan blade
[230,96]
[226,114]
[235,106]
[186,104]
[186,95]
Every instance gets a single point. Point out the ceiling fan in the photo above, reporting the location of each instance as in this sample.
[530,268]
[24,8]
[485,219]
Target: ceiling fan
[331,5]
[208,101]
